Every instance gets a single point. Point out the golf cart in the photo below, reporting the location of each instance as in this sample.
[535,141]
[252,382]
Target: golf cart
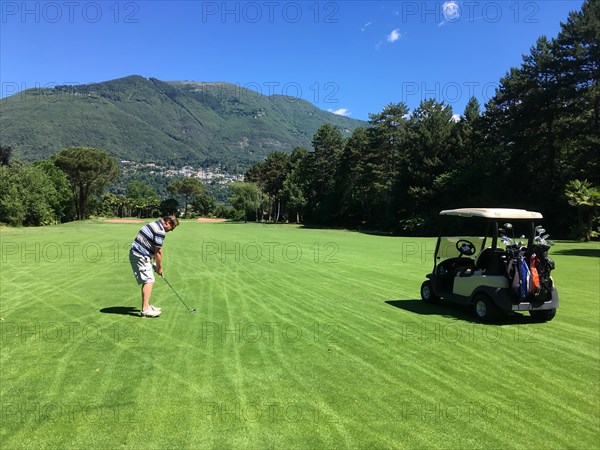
[493,279]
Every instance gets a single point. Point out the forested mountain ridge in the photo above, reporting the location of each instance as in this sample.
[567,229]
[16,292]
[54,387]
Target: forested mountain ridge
[145,119]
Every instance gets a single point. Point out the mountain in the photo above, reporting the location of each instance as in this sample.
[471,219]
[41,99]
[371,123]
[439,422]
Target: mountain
[178,122]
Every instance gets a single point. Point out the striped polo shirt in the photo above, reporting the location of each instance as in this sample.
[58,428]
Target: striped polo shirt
[149,240]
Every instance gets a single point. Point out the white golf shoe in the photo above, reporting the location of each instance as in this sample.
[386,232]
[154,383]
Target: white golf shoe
[150,313]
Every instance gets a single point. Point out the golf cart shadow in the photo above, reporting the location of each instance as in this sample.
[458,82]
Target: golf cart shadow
[456,312]
[591,252]
[123,310]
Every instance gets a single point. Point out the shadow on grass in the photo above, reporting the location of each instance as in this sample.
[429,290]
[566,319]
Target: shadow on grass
[457,312]
[350,228]
[123,310]
[593,252]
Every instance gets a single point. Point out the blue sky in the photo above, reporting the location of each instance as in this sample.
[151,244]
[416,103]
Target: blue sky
[351,57]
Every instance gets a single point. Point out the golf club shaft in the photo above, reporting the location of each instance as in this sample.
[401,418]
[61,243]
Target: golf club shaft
[173,289]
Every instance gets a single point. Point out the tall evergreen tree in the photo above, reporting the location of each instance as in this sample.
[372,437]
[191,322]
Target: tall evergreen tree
[577,54]
[383,165]
[471,163]
[275,170]
[295,185]
[328,143]
[351,183]
[425,177]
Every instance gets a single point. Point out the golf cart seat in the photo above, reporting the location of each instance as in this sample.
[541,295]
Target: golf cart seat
[491,262]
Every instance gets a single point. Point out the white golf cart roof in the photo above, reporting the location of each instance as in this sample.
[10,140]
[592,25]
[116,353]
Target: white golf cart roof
[492,213]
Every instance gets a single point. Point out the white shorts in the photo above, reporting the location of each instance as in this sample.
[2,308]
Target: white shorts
[142,268]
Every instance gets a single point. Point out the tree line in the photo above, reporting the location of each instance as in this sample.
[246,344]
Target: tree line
[536,145]
[72,184]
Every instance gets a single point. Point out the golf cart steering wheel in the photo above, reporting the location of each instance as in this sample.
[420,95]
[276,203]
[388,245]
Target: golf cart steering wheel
[465,248]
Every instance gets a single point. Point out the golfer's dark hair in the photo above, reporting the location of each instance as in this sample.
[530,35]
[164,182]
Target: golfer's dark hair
[174,221]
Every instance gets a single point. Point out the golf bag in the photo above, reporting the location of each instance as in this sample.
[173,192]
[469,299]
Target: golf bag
[524,276]
[534,282]
[518,274]
[530,282]
[545,266]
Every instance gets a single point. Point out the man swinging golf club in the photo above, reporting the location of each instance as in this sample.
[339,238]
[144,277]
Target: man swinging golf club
[146,247]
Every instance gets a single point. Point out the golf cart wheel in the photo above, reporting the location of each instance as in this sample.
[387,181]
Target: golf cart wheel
[545,315]
[485,309]
[427,294]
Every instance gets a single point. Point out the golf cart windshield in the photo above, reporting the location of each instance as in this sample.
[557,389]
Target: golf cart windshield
[449,248]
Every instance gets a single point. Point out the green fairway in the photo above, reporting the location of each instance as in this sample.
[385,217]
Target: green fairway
[303,338]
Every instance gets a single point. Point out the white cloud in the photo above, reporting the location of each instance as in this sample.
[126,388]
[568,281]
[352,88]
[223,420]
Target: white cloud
[340,112]
[390,38]
[366,25]
[394,35]
[451,11]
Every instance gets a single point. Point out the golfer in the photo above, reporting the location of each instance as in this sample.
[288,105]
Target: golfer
[146,247]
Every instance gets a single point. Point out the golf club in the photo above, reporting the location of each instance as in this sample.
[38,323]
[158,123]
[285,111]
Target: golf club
[191,310]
